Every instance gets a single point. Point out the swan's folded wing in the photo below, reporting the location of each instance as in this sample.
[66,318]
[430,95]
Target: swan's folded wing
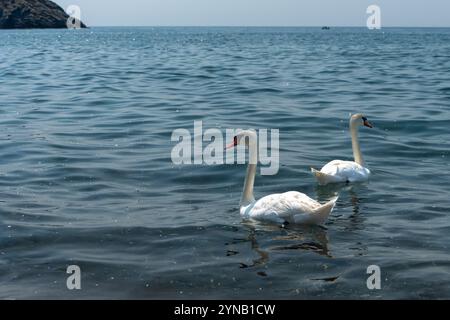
[283,207]
[267,209]
[324,178]
[348,170]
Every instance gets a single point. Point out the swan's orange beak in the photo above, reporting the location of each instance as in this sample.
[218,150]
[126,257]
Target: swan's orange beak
[368,124]
[233,144]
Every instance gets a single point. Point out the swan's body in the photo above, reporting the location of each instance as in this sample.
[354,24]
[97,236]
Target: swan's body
[290,207]
[338,171]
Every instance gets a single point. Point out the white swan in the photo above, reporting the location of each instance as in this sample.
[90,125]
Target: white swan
[346,171]
[290,207]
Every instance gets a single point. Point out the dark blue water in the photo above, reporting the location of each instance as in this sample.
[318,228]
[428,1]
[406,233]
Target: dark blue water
[86,176]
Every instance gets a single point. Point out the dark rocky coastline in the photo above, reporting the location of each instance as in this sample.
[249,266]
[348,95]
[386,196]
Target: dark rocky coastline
[32,14]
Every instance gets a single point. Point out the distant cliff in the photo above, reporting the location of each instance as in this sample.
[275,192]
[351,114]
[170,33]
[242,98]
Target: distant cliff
[30,14]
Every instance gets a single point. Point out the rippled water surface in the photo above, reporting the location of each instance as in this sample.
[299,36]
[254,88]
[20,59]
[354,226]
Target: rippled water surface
[86,178]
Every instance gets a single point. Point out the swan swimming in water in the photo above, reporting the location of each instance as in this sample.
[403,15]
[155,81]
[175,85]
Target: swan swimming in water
[290,207]
[346,171]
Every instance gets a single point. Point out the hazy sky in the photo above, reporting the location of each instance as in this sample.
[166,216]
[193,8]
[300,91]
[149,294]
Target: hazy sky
[260,12]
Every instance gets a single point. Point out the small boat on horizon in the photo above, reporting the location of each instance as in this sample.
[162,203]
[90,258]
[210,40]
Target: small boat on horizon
[326,28]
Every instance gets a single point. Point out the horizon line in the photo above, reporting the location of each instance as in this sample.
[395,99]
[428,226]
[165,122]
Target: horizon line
[255,26]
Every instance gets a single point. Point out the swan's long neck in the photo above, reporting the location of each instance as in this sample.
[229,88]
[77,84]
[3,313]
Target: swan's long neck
[355,144]
[247,193]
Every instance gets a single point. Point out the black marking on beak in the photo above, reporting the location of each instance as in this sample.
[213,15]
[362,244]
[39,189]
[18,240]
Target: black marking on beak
[367,123]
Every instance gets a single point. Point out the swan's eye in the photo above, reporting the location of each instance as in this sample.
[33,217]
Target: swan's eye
[364,119]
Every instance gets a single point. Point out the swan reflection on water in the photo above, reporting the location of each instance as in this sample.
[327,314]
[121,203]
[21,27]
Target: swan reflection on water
[290,238]
[350,201]
[349,195]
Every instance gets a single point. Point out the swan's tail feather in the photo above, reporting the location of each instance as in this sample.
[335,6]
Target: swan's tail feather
[321,177]
[322,213]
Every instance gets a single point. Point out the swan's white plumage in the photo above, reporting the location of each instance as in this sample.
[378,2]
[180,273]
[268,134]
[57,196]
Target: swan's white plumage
[292,207]
[341,171]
